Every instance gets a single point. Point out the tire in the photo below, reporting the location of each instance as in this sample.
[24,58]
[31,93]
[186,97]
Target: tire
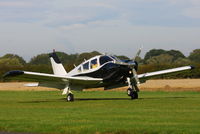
[70,97]
[134,95]
[129,91]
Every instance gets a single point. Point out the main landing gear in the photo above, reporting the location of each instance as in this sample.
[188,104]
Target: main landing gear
[70,96]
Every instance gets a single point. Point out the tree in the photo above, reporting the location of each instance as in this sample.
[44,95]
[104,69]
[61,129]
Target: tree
[11,62]
[160,59]
[182,61]
[67,58]
[44,58]
[154,52]
[40,59]
[139,60]
[195,56]
[176,54]
[14,56]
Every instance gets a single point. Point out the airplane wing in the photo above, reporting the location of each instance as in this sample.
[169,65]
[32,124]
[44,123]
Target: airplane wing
[50,80]
[145,76]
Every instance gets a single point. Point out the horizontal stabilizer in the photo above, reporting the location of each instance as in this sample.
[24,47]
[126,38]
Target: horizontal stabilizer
[31,85]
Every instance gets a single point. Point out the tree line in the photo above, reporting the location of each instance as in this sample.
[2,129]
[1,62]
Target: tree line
[155,59]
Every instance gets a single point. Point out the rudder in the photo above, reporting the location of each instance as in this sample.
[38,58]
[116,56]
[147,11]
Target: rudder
[58,68]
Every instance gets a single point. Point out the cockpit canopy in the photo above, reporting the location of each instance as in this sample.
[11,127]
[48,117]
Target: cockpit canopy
[96,62]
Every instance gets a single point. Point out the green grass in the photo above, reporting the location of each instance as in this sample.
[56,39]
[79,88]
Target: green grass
[100,112]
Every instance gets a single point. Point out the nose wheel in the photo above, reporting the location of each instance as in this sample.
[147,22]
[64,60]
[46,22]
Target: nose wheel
[70,97]
[133,94]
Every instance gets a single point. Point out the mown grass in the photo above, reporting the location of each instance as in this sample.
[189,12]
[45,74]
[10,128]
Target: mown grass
[100,112]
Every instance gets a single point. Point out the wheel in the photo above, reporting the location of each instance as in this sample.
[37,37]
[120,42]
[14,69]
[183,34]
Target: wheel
[129,91]
[70,97]
[134,95]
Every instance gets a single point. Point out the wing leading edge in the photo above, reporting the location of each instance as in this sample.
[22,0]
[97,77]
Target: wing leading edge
[145,76]
[16,73]
[51,80]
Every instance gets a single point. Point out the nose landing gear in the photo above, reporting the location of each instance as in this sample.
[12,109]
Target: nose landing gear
[133,90]
[70,97]
[133,94]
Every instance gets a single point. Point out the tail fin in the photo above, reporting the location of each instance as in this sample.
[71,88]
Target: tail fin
[57,66]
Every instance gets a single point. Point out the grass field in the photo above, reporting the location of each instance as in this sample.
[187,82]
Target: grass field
[150,85]
[99,112]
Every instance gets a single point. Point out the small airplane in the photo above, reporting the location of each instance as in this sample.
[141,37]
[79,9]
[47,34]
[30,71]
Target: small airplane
[100,71]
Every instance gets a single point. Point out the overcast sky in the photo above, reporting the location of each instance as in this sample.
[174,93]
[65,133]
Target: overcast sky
[31,27]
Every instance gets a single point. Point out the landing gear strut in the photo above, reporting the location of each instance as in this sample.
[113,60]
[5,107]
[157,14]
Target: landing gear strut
[132,91]
[67,91]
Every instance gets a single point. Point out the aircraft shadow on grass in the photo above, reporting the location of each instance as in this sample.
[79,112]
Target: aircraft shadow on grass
[158,98]
[78,99]
[101,99]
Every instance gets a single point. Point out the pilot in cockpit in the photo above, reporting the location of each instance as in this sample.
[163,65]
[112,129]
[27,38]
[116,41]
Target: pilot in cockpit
[94,64]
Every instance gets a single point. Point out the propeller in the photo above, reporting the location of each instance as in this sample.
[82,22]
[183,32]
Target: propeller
[133,65]
[135,76]
[138,53]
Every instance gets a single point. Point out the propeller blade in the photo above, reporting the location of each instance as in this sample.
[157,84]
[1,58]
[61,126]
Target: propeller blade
[138,53]
[135,76]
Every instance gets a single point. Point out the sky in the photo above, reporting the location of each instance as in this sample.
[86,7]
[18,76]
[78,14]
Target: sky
[121,27]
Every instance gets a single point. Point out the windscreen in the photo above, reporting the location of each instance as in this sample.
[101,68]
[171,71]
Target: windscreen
[105,59]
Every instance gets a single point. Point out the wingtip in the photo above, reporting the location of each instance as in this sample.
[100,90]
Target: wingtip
[192,67]
[13,73]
